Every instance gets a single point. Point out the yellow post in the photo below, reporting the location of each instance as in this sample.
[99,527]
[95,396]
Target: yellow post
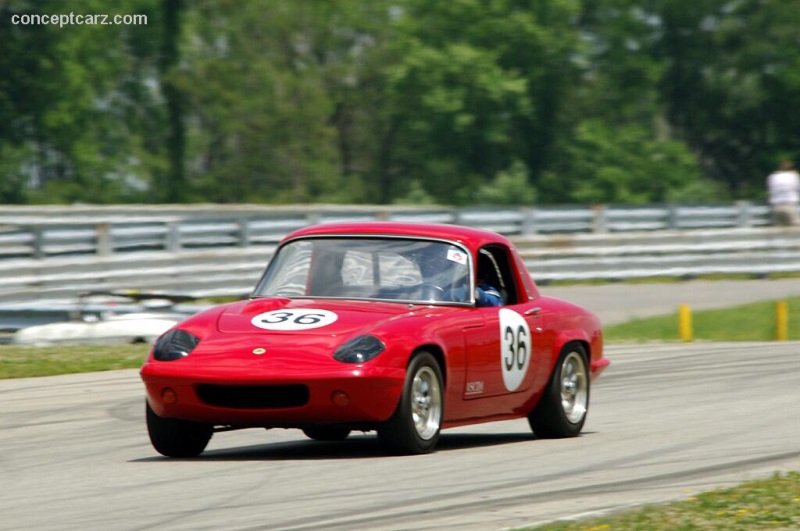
[781,321]
[685,322]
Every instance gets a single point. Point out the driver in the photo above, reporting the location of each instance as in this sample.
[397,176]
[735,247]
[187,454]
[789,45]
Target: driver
[485,293]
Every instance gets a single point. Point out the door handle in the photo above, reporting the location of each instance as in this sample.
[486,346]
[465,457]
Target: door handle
[533,311]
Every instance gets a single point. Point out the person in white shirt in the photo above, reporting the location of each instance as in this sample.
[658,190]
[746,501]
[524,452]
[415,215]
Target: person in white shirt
[784,194]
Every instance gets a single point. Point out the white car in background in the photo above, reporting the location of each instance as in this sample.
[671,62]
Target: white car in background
[117,318]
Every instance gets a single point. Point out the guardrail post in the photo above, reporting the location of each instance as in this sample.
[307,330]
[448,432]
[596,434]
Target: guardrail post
[312,218]
[744,216]
[103,245]
[172,242]
[672,217]
[527,226]
[38,242]
[598,219]
[244,232]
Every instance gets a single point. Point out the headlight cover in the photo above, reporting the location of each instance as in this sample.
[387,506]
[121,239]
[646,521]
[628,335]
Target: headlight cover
[174,345]
[359,350]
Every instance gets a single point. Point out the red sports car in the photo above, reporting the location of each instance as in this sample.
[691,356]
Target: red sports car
[402,328]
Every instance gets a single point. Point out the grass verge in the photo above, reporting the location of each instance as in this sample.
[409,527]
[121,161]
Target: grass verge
[772,503]
[750,322]
[18,361]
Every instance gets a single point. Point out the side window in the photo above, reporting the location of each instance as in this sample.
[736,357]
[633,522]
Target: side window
[494,265]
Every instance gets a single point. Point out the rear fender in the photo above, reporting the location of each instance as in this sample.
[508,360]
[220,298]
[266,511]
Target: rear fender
[570,336]
[593,347]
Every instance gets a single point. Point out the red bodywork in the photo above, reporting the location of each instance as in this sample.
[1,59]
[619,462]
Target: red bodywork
[232,353]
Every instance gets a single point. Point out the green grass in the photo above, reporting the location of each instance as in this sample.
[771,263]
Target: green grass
[24,361]
[765,504]
[750,322]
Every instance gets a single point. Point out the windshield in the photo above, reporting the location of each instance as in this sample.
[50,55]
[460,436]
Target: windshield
[395,269]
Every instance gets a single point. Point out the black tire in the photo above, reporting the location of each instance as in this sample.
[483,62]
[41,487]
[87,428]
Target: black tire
[177,438]
[415,426]
[562,410]
[327,433]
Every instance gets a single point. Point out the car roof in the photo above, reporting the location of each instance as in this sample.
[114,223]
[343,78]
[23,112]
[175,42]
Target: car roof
[471,237]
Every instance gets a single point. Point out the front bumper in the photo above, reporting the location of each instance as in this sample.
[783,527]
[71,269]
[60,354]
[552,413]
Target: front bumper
[233,397]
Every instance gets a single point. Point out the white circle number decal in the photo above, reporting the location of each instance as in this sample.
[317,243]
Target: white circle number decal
[304,319]
[515,341]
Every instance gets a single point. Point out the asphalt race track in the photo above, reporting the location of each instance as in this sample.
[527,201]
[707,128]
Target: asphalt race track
[665,421]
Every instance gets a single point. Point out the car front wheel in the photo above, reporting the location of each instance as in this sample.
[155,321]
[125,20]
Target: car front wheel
[562,410]
[177,438]
[415,426]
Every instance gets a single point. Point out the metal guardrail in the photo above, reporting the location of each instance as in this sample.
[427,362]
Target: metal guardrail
[44,232]
[49,255]
[54,253]
[675,254]
[234,272]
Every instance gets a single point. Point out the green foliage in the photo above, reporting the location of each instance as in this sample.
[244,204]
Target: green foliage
[262,129]
[471,90]
[67,96]
[731,85]
[13,181]
[605,164]
[701,191]
[415,195]
[382,101]
[509,187]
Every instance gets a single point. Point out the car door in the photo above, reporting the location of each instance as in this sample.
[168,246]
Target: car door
[505,353]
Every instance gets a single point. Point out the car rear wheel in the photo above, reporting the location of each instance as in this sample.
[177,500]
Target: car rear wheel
[415,426]
[562,410]
[177,438]
[327,433]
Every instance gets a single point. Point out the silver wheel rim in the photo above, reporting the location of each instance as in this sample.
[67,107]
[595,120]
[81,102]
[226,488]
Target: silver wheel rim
[426,403]
[574,387]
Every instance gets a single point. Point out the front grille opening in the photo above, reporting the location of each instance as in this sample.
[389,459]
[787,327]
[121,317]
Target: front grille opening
[253,396]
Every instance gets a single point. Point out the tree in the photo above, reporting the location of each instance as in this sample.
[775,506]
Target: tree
[619,164]
[731,84]
[173,187]
[472,90]
[261,119]
[65,100]
[616,145]
[458,102]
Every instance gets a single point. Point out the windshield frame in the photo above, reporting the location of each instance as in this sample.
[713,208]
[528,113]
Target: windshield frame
[274,261]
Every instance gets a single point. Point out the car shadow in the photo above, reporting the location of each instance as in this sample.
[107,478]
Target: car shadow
[363,446]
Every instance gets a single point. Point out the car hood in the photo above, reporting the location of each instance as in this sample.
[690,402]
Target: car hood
[314,317]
